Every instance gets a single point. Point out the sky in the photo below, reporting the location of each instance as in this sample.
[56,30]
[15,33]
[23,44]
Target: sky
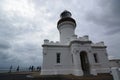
[24,24]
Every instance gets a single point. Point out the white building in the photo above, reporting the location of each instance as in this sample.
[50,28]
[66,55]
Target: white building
[115,63]
[73,55]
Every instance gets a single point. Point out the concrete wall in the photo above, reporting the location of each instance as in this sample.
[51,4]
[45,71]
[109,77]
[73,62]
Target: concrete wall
[70,59]
[103,63]
[116,73]
[50,66]
[76,48]
[114,63]
[67,30]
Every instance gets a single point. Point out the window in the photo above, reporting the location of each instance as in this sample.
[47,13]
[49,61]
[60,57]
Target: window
[72,58]
[58,57]
[95,57]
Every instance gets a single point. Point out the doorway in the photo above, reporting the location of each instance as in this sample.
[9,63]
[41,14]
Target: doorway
[84,63]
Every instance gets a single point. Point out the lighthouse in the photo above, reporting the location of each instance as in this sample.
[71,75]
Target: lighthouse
[72,54]
[66,26]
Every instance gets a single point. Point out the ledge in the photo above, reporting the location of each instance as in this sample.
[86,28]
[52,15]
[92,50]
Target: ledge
[66,19]
[58,64]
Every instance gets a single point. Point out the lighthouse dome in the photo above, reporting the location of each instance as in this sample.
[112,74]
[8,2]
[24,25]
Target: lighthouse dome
[65,14]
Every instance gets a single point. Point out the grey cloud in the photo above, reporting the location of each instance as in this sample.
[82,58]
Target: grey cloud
[4,45]
[11,27]
[3,55]
[109,17]
[26,47]
[115,5]
[30,53]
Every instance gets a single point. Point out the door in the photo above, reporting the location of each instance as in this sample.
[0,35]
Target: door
[84,63]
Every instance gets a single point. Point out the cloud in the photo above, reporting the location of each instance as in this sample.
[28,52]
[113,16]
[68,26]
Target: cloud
[105,21]
[17,27]
[107,15]
[4,45]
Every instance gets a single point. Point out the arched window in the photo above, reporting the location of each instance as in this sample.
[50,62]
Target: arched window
[95,57]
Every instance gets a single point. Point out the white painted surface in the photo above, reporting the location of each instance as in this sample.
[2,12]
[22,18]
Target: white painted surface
[115,73]
[66,30]
[115,63]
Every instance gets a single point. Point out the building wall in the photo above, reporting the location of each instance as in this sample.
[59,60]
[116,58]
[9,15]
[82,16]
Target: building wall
[114,63]
[76,48]
[66,30]
[102,66]
[103,63]
[70,59]
[49,61]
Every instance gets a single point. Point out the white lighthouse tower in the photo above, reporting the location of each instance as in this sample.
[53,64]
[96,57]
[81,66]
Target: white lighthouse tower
[72,54]
[66,26]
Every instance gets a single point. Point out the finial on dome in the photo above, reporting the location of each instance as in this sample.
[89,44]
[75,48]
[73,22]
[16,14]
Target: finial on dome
[65,14]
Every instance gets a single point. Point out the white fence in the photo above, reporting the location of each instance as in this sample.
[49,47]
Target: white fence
[116,73]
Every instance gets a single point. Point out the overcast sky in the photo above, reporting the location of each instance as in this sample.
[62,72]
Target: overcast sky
[24,24]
